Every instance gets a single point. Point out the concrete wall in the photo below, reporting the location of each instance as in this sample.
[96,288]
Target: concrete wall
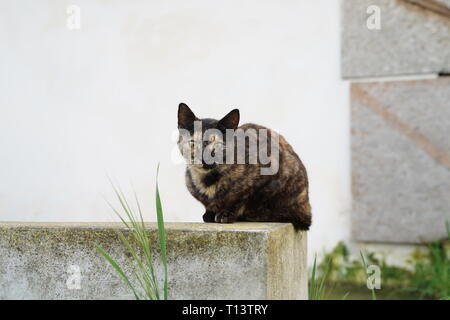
[411,39]
[205,261]
[77,105]
[400,146]
[401,160]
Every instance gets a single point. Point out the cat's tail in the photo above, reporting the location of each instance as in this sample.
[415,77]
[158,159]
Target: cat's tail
[304,219]
[302,223]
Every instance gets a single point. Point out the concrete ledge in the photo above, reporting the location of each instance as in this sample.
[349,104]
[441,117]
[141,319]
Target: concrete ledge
[206,261]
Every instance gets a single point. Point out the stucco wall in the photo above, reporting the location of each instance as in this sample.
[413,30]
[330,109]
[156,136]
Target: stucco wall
[78,105]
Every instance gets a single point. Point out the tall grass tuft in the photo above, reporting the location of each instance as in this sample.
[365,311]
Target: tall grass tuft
[143,281]
[427,275]
[431,276]
[316,290]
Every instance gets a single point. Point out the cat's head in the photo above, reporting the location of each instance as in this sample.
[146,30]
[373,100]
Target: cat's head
[202,142]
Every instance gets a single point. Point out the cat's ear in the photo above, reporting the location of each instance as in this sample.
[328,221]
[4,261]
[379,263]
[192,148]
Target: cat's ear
[186,117]
[231,120]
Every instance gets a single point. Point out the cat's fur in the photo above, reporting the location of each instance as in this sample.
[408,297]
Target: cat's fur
[239,192]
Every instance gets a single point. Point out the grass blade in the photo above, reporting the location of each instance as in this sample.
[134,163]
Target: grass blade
[374,296]
[141,261]
[118,270]
[162,235]
[312,281]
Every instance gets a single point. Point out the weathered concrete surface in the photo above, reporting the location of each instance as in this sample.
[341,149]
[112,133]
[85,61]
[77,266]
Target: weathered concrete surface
[412,40]
[400,160]
[438,6]
[206,261]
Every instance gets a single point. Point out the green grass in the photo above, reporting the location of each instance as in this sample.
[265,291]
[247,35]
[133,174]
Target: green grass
[431,275]
[372,290]
[319,284]
[426,277]
[317,287]
[142,282]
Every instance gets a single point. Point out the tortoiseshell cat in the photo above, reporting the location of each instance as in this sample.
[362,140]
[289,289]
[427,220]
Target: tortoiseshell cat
[240,191]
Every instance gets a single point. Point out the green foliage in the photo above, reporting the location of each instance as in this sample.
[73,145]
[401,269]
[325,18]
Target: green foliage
[431,275]
[143,282]
[374,296]
[426,277]
[332,270]
[316,289]
[161,234]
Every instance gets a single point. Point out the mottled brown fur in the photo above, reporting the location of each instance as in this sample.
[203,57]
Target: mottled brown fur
[239,192]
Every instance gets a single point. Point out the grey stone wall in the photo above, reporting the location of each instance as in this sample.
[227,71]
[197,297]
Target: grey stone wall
[400,160]
[412,40]
[400,145]
[205,261]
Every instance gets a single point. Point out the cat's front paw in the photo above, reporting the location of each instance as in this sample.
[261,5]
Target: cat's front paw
[225,216]
[209,216]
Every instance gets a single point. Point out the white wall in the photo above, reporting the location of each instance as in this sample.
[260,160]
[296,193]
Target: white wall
[78,105]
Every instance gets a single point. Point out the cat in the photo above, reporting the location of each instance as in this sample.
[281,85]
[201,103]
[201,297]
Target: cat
[242,191]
